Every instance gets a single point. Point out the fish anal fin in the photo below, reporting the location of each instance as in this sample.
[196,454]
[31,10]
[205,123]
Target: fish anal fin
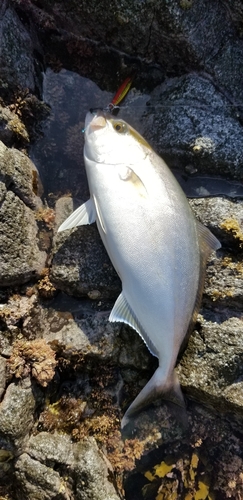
[123,313]
[159,387]
[85,214]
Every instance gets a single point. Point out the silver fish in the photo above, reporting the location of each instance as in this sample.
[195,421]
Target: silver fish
[156,245]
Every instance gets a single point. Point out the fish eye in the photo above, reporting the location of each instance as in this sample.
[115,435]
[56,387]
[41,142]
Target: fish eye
[120,127]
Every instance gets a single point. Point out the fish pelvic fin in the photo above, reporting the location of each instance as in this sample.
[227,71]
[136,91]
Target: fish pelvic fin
[157,386]
[86,214]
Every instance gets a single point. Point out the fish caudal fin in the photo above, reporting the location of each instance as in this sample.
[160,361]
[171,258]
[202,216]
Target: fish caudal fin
[168,389]
[86,214]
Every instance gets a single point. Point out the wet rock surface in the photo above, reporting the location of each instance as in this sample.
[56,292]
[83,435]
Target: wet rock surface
[67,374]
[17,50]
[190,122]
[20,175]
[78,466]
[80,264]
[17,413]
[20,258]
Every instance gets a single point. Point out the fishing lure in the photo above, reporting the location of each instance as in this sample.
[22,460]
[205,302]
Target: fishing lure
[120,94]
[117,99]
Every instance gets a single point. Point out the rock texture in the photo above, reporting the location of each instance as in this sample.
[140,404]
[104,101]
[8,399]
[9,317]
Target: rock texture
[17,50]
[67,374]
[20,257]
[80,264]
[192,123]
[79,467]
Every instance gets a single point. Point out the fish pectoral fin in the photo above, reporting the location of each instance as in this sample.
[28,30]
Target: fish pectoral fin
[168,389]
[86,214]
[127,174]
[123,313]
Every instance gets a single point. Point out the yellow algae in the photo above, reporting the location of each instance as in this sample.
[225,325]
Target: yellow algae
[194,460]
[149,476]
[162,469]
[193,466]
[232,226]
[234,266]
[202,492]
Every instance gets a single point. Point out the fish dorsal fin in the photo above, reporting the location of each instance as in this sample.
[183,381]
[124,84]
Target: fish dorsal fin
[207,244]
[207,241]
[85,214]
[123,313]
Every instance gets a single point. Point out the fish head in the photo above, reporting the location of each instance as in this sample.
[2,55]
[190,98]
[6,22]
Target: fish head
[112,141]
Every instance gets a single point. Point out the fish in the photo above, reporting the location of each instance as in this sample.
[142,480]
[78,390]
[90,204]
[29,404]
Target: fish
[155,243]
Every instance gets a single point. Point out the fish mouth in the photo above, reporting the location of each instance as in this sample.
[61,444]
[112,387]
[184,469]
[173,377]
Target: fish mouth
[95,121]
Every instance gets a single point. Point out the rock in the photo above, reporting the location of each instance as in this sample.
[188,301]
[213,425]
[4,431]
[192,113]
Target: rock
[210,370]
[35,480]
[80,264]
[16,55]
[85,331]
[11,127]
[20,257]
[20,175]
[80,470]
[16,412]
[3,377]
[223,217]
[51,448]
[191,123]
[92,473]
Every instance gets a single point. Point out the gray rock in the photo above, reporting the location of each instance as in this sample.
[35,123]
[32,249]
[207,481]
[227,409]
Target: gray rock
[20,175]
[210,370]
[3,381]
[92,473]
[16,50]
[224,275]
[20,257]
[17,412]
[85,331]
[189,122]
[223,217]
[11,127]
[80,470]
[51,448]
[35,480]
[80,264]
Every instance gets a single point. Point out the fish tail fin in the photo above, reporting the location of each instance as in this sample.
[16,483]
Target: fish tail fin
[168,389]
